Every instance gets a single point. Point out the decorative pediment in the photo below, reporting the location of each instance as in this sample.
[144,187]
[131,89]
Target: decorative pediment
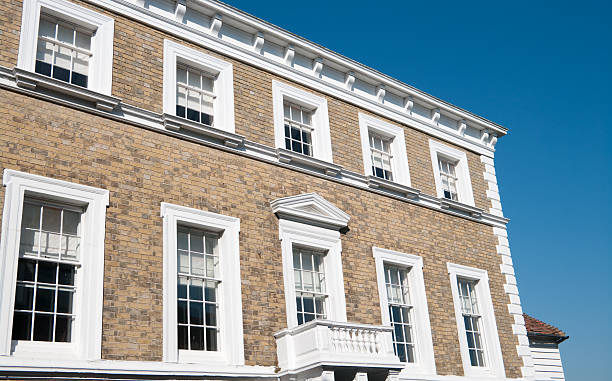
[312,209]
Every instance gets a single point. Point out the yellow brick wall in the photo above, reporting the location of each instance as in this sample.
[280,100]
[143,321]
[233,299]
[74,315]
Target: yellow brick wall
[142,168]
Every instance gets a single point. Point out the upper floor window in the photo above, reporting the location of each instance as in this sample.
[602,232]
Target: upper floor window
[448,178]
[52,274]
[471,318]
[301,123]
[67,42]
[298,128]
[384,150]
[202,298]
[403,305]
[198,281]
[310,292]
[47,265]
[400,311]
[198,88]
[380,152]
[195,95]
[451,173]
[476,326]
[63,51]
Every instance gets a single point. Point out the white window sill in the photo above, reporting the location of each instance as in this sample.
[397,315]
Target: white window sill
[34,81]
[290,157]
[460,207]
[176,123]
[403,190]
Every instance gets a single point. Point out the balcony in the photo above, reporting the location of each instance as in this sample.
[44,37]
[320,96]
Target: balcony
[327,344]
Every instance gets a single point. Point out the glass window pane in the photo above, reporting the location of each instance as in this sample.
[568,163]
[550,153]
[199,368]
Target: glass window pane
[183,262]
[46,272]
[181,75]
[22,326]
[211,339]
[63,328]
[183,341]
[46,28]
[308,304]
[45,299]
[51,219]
[182,287]
[83,41]
[26,269]
[207,84]
[196,289]
[31,216]
[66,275]
[196,313]
[23,297]
[64,301]
[211,291]
[286,111]
[65,34]
[194,79]
[43,327]
[211,315]
[197,338]
[197,263]
[196,240]
[182,312]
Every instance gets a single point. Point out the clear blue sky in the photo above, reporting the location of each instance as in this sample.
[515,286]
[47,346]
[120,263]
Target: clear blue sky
[544,71]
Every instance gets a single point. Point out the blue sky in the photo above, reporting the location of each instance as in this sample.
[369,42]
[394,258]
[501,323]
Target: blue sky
[542,70]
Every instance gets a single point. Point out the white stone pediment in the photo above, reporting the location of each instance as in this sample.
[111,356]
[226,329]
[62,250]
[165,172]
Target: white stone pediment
[310,208]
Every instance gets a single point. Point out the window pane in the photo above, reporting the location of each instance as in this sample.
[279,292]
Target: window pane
[43,327]
[62,64]
[207,84]
[182,287]
[46,272]
[195,290]
[23,297]
[64,301]
[197,338]
[25,270]
[51,219]
[31,216]
[182,312]
[46,28]
[193,79]
[183,262]
[83,41]
[196,313]
[183,341]
[211,315]
[211,292]
[197,263]
[63,328]
[65,34]
[22,326]
[45,299]
[211,339]
[197,242]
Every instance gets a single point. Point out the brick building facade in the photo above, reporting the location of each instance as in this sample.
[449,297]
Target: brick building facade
[115,141]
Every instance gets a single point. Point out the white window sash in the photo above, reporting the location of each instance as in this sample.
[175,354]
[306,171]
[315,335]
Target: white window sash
[87,328]
[462,171]
[494,364]
[229,318]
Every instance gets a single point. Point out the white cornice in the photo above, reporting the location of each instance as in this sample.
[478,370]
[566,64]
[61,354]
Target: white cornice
[310,208]
[282,63]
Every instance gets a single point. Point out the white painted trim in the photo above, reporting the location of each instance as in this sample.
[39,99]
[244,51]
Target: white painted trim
[224,82]
[100,76]
[494,362]
[425,362]
[310,208]
[399,162]
[231,342]
[134,368]
[464,191]
[87,329]
[321,141]
[295,233]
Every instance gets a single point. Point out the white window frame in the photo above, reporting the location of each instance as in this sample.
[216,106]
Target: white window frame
[100,75]
[399,161]
[320,136]
[223,105]
[490,337]
[462,171]
[231,341]
[313,237]
[424,353]
[87,326]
